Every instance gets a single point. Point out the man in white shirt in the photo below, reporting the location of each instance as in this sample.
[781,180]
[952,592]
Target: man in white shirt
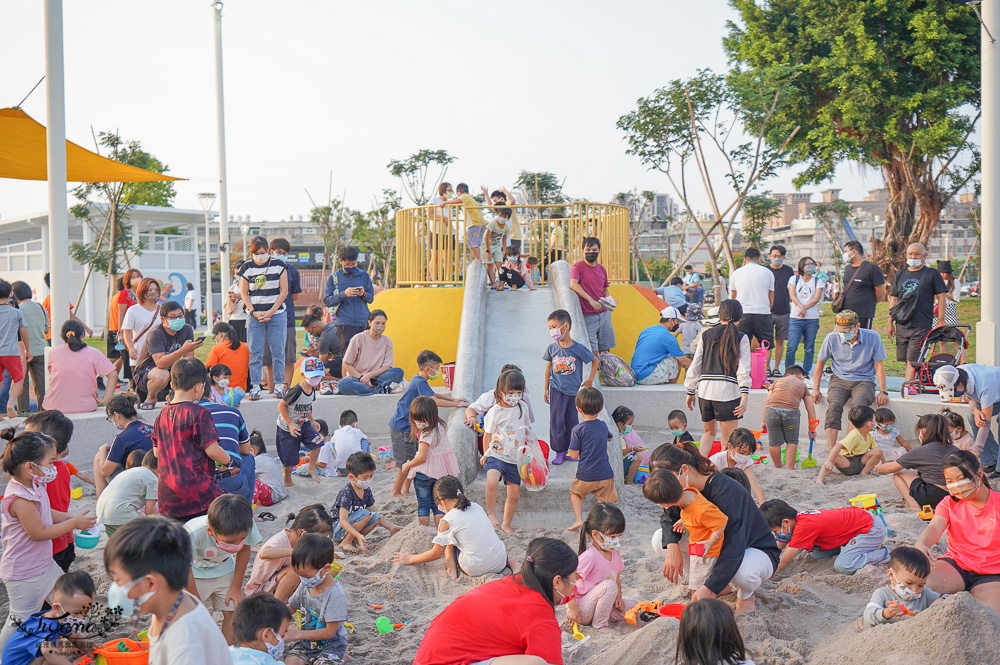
[753,286]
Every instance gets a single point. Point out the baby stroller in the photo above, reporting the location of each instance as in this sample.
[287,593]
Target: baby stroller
[935,354]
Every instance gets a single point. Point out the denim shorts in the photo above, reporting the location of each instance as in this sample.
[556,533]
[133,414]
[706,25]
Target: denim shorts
[423,487]
[508,471]
[361,513]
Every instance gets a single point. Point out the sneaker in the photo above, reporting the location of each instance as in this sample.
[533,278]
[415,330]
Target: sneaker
[913,390]
[279,390]
[560,457]
[326,388]
[254,394]
[399,388]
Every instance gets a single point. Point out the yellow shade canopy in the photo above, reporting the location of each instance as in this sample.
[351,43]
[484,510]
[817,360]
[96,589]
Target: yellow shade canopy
[22,156]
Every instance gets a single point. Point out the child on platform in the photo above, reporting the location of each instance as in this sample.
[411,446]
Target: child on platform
[737,455]
[635,453]
[296,425]
[220,375]
[887,437]
[347,440]
[272,569]
[269,488]
[782,415]
[260,624]
[352,508]
[434,459]
[589,444]
[856,453]
[502,435]
[598,599]
[564,361]
[72,598]
[853,535]
[908,572]
[320,600]
[129,492]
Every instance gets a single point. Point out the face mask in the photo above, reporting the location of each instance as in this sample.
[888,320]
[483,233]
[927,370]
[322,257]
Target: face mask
[627,429]
[565,599]
[276,650]
[231,548]
[420,424]
[962,488]
[363,484]
[591,257]
[901,590]
[450,193]
[49,474]
[782,536]
[740,459]
[611,543]
[847,336]
[851,255]
[556,333]
[435,375]
[677,432]
[260,259]
[175,324]
[75,624]
[223,382]
[280,257]
[777,261]
[117,426]
[810,270]
[314,581]
[118,598]
[378,328]
[512,398]
[314,380]
[349,271]
[885,428]
[914,263]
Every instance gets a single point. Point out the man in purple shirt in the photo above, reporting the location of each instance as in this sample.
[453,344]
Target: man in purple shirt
[590,281]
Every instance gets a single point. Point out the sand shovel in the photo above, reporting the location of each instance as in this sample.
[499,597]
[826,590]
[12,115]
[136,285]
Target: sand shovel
[810,461]
[578,635]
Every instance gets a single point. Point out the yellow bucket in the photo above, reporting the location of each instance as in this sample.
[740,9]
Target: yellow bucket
[865,501]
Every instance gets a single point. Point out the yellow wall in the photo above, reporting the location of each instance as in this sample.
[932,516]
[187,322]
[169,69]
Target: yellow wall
[633,314]
[424,318]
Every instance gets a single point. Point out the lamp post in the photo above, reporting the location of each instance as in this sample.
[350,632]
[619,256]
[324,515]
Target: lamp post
[207,199]
[987,332]
[245,230]
[221,123]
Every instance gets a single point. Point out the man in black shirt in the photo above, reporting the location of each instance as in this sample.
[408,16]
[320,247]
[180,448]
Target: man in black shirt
[864,284]
[927,286]
[780,308]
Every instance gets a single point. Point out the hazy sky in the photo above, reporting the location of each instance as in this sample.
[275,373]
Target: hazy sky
[314,86]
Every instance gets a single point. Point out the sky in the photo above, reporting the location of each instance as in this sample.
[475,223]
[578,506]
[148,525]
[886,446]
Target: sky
[314,87]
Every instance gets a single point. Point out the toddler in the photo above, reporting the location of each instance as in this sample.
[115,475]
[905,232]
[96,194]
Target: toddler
[135,458]
[269,486]
[589,444]
[326,461]
[272,569]
[347,440]
[782,416]
[908,572]
[296,425]
[887,437]
[635,451]
[677,421]
[219,375]
[851,534]
[704,522]
[502,428]
[856,453]
[434,459]
[72,598]
[709,635]
[476,411]
[260,624]
[220,547]
[598,597]
[564,361]
[737,455]
[465,538]
[960,436]
[128,493]
[515,272]
[353,504]
[319,605]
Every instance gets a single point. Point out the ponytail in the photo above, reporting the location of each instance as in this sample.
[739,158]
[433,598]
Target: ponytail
[123,405]
[72,334]
[229,332]
[673,456]
[604,518]
[450,488]
[23,448]
[730,313]
[546,559]
[312,519]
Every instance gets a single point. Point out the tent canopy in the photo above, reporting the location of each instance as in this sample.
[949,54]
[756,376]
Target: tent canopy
[23,157]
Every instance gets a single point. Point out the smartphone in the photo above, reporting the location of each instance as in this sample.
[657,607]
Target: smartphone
[696,549]
[200,338]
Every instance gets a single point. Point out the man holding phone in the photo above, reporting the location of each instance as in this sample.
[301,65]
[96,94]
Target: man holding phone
[350,290]
[167,343]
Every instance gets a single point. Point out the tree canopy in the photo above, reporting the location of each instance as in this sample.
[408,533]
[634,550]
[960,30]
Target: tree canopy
[414,171]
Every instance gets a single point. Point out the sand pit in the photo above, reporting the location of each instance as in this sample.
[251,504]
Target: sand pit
[806,616]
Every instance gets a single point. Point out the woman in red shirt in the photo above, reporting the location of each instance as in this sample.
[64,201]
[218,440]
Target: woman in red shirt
[126,298]
[972,517]
[510,621]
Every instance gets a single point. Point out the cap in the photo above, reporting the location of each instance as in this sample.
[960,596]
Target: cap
[669,312]
[313,367]
[846,320]
[946,375]
[945,267]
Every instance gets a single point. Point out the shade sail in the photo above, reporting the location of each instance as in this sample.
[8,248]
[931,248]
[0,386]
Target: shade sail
[22,156]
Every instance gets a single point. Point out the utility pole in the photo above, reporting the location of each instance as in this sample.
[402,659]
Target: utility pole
[987,341]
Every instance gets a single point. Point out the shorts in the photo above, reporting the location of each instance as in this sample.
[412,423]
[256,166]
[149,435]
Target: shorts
[474,236]
[782,426]
[288,445]
[334,367]
[508,471]
[628,460]
[213,590]
[353,518]
[780,326]
[140,376]
[13,365]
[495,252]
[113,352]
[759,327]
[714,410]
[326,654]
[604,490]
[925,493]
[969,578]
[908,341]
[665,371]
[600,331]
[442,242]
[855,465]
[403,447]
[289,350]
[699,570]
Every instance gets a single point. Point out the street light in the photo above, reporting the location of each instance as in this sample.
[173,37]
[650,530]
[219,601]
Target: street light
[207,199]
[245,230]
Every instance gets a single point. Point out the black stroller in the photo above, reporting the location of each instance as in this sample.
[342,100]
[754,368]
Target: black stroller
[934,353]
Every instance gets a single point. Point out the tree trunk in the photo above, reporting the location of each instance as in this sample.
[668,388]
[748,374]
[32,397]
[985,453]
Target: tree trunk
[931,201]
[889,252]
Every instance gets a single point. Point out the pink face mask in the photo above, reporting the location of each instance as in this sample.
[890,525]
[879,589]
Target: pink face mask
[231,548]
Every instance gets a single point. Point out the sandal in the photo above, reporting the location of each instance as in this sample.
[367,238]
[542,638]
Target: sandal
[266,517]
[147,406]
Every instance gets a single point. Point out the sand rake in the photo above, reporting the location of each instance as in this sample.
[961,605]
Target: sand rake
[810,461]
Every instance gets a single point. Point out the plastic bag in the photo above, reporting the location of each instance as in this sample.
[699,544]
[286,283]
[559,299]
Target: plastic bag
[532,462]
[615,371]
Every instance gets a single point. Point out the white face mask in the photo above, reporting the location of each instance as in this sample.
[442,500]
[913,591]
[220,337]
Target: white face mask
[610,543]
[260,259]
[901,590]
[420,424]
[511,398]
[276,650]
[914,263]
[363,484]
[223,382]
[741,459]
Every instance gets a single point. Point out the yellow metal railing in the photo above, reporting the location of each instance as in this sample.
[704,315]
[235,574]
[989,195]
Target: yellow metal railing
[431,245]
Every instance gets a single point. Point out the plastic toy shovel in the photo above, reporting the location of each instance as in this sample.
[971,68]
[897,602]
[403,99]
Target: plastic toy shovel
[578,635]
[810,461]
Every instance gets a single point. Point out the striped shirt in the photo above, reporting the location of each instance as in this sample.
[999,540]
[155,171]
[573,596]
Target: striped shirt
[265,284]
[229,424]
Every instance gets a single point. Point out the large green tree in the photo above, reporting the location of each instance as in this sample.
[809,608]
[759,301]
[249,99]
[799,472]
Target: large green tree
[422,168]
[890,84]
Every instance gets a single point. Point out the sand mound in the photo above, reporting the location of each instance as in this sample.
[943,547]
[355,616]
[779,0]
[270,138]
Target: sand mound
[655,642]
[951,630]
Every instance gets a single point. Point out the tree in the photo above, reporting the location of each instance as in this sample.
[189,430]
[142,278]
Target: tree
[892,84]
[414,171]
[539,188]
[835,229]
[375,233]
[333,221]
[757,211]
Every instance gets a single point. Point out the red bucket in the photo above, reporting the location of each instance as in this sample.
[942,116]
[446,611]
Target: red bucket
[674,611]
[448,374]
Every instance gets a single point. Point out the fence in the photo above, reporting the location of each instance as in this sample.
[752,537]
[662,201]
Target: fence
[431,245]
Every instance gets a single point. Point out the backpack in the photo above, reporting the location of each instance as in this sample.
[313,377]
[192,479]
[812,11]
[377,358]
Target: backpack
[615,372]
[906,306]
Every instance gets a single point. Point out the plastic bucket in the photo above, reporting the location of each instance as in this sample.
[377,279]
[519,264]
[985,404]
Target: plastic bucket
[448,374]
[674,610]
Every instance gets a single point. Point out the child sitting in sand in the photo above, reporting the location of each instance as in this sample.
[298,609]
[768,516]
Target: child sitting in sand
[347,440]
[34,644]
[599,585]
[782,415]
[319,604]
[129,492]
[260,624]
[635,453]
[353,506]
[887,437]
[709,635]
[269,488]
[588,443]
[705,523]
[737,455]
[677,421]
[465,538]
[906,593]
[960,436]
[272,569]
[326,462]
[856,453]
[851,534]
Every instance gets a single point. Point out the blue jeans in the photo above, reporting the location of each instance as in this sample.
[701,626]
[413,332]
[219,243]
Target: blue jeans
[351,386]
[990,453]
[276,340]
[353,518]
[423,487]
[803,330]
[859,551]
[5,391]
[243,483]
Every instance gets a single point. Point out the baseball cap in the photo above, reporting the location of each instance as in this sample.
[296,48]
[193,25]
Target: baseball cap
[669,312]
[313,367]
[946,375]
[846,320]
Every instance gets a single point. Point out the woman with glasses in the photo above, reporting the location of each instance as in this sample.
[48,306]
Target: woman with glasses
[805,290]
[133,434]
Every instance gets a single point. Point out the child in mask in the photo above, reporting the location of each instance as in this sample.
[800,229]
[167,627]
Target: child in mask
[887,437]
[353,506]
[296,426]
[677,421]
[220,546]
[908,571]
[782,415]
[72,597]
[959,434]
[260,625]
[738,455]
[635,453]
[219,375]
[598,595]
[319,605]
